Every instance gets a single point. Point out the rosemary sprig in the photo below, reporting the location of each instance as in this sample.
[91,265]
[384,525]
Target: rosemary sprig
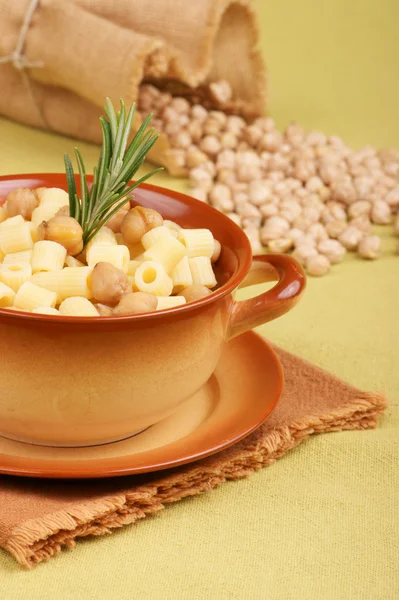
[117,164]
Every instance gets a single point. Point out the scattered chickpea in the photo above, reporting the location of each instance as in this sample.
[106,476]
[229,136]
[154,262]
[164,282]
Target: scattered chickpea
[332,249]
[350,237]
[303,252]
[210,144]
[369,247]
[199,194]
[280,245]
[22,201]
[235,218]
[134,303]
[317,265]
[195,157]
[221,198]
[381,213]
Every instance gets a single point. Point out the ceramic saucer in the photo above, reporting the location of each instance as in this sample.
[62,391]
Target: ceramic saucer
[240,395]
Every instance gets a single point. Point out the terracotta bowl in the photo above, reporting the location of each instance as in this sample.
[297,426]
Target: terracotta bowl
[85,381]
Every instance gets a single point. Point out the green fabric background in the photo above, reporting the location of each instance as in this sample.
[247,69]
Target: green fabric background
[323,521]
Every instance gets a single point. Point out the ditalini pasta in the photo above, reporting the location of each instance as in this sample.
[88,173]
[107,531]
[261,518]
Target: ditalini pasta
[168,251]
[12,222]
[55,196]
[153,265]
[7,295]
[44,212]
[165,302]
[116,255]
[30,296]
[152,236]
[151,277]
[15,275]
[47,256]
[198,242]
[181,275]
[18,257]
[3,214]
[16,238]
[202,272]
[173,227]
[46,310]
[71,261]
[104,237]
[78,307]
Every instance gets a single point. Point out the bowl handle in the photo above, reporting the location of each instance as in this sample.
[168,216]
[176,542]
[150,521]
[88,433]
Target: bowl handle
[276,301]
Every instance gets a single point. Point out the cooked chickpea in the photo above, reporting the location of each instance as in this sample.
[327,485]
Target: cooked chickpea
[135,303]
[138,221]
[65,231]
[115,221]
[333,250]
[216,251]
[22,202]
[108,283]
[63,212]
[195,292]
[103,310]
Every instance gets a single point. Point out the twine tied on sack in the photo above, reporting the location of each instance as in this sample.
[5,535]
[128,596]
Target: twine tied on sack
[19,61]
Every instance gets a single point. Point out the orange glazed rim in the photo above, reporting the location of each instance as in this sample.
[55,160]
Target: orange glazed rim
[241,242]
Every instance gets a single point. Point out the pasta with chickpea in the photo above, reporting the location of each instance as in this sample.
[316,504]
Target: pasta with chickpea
[92,255]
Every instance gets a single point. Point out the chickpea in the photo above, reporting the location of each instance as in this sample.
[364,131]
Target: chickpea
[135,303]
[216,251]
[115,221]
[103,310]
[63,212]
[317,265]
[195,292]
[22,202]
[137,222]
[333,249]
[108,283]
[65,231]
[369,247]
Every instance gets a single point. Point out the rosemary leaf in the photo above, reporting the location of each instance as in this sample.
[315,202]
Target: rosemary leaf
[71,185]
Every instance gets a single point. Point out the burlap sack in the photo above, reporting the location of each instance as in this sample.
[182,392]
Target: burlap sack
[90,49]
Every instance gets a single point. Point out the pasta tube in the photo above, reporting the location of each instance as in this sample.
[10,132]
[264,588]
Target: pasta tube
[181,275]
[46,310]
[54,196]
[152,236]
[173,227]
[202,272]
[31,296]
[12,222]
[48,256]
[198,242]
[78,307]
[105,237]
[16,238]
[7,295]
[18,257]
[165,302]
[116,255]
[44,212]
[168,251]
[152,278]
[15,275]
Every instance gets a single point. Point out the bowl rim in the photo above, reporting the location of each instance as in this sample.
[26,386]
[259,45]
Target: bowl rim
[223,291]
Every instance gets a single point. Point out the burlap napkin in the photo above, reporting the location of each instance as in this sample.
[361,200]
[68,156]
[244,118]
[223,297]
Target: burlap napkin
[39,518]
[60,59]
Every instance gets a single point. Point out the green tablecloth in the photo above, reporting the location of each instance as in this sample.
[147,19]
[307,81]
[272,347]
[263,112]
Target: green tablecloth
[322,521]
